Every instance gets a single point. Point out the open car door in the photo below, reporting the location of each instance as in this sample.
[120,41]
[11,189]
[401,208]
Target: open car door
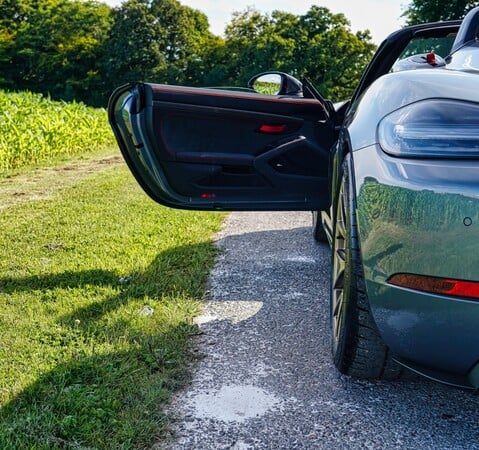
[196,148]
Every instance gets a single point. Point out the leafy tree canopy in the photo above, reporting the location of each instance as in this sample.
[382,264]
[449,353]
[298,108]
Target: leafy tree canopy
[52,46]
[82,49]
[423,11]
[155,40]
[318,44]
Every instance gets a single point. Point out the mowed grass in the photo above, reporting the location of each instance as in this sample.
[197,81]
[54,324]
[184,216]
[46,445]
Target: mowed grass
[98,288]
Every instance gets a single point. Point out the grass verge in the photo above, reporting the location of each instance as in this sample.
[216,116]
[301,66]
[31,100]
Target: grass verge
[98,287]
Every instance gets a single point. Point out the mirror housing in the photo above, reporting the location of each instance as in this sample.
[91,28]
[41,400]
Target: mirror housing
[276,83]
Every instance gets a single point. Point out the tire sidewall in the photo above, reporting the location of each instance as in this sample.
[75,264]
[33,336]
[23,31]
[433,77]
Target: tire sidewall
[347,329]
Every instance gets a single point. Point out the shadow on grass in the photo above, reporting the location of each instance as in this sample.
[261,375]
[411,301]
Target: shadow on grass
[116,365]
[179,270]
[67,279]
[83,404]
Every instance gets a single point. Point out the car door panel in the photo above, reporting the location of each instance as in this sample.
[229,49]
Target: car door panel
[206,132]
[215,149]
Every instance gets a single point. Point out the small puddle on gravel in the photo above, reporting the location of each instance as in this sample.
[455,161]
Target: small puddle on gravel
[234,403]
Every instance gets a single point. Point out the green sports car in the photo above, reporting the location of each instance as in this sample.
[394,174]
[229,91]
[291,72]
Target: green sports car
[393,174]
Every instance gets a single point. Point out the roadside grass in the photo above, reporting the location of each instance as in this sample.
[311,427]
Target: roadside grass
[98,288]
[42,181]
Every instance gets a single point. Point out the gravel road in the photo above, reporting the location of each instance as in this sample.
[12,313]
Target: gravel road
[267,381]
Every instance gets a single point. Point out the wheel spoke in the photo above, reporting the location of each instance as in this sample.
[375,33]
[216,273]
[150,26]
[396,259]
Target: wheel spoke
[339,280]
[338,306]
[340,224]
[339,263]
[341,232]
[338,315]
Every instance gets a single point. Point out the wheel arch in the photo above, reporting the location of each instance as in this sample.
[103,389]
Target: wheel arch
[342,152]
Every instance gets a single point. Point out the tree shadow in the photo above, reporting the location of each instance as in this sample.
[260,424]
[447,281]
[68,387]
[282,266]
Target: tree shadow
[63,280]
[82,395]
[166,275]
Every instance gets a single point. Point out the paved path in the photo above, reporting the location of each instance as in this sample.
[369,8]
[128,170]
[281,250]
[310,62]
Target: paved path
[266,380]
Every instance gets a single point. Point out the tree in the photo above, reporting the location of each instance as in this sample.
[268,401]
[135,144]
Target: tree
[255,43]
[318,44]
[52,46]
[158,40]
[82,49]
[14,14]
[331,55]
[423,11]
[335,61]
[132,51]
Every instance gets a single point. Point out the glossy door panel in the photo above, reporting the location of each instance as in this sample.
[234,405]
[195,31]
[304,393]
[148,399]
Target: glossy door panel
[216,149]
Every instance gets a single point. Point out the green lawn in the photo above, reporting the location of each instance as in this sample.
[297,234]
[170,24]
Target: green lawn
[98,288]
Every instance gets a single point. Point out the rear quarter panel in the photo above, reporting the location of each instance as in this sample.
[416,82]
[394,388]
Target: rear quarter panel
[417,216]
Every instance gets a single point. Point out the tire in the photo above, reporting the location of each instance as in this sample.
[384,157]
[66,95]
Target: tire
[357,347]
[319,234]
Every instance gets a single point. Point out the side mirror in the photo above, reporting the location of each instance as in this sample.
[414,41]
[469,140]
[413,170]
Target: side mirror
[276,83]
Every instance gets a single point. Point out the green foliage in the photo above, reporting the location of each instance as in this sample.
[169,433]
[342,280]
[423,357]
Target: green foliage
[54,48]
[423,11]
[318,45]
[36,129]
[156,41]
[133,48]
[84,361]
[74,49]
